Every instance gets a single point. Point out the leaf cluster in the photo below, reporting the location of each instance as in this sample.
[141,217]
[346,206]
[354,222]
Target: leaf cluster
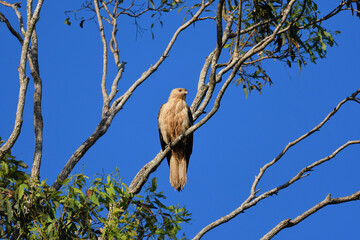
[35,211]
[301,38]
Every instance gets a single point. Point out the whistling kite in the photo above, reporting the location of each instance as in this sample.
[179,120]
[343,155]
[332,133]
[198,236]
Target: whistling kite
[173,120]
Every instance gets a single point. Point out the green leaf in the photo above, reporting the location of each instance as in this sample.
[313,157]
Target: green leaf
[21,190]
[65,182]
[245,91]
[9,211]
[299,64]
[288,63]
[5,167]
[22,164]
[180,9]
[108,179]
[78,192]
[110,190]
[67,22]
[157,201]
[94,199]
[153,185]
[117,210]
[152,3]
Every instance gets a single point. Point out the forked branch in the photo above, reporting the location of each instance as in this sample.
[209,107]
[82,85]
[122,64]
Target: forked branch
[24,80]
[252,200]
[287,223]
[293,143]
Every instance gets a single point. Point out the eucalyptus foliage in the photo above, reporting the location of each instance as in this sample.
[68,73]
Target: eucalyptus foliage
[303,38]
[80,209]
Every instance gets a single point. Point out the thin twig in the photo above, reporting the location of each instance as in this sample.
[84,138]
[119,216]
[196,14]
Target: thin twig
[39,230]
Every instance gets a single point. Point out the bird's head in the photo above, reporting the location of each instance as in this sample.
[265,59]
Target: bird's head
[178,93]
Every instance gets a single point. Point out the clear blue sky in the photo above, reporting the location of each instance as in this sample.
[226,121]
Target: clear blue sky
[228,151]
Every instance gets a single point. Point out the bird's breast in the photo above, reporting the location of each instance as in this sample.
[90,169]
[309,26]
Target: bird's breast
[173,120]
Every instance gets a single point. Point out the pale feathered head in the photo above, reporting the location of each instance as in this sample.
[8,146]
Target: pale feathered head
[178,93]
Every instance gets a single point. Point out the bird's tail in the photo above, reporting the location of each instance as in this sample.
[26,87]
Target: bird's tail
[177,172]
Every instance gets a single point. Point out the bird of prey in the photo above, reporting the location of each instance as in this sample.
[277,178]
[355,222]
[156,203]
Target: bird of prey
[173,120]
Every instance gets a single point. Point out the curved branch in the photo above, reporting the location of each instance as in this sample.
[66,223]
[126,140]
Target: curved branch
[15,6]
[80,152]
[291,144]
[327,201]
[19,117]
[252,200]
[11,29]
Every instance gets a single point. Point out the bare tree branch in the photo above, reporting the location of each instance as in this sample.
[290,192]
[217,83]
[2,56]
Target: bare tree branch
[15,6]
[327,201]
[252,200]
[23,79]
[237,43]
[119,103]
[105,57]
[291,144]
[11,29]
[217,52]
[38,119]
[32,56]
[204,93]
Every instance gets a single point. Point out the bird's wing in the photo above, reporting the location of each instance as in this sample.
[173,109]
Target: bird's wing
[189,139]
[162,142]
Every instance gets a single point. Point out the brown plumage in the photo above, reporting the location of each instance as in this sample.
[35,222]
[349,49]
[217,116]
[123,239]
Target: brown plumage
[173,120]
